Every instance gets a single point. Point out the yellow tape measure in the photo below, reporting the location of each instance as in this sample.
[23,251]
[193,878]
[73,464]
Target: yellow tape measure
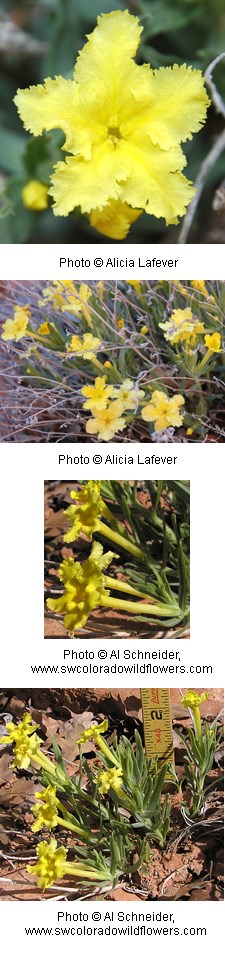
[157,720]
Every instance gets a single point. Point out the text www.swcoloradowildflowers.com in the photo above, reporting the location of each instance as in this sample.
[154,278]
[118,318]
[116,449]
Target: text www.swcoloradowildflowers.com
[116,931]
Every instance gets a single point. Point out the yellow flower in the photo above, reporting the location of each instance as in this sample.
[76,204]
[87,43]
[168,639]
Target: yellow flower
[24,728]
[136,285]
[97,394]
[163,411]
[100,290]
[84,587]
[44,329]
[84,347]
[93,732]
[189,431]
[192,700]
[213,342]
[200,286]
[35,195]
[85,515]
[182,327]
[64,295]
[144,330]
[107,422]
[115,219]
[47,813]
[51,864]
[128,394]
[120,323]
[16,328]
[108,364]
[26,742]
[123,125]
[110,778]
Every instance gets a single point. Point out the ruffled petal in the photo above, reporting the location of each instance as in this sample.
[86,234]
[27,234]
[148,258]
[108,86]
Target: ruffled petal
[88,184]
[49,106]
[155,182]
[177,106]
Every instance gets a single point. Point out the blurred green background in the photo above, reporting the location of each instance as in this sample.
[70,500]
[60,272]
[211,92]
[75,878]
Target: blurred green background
[42,38]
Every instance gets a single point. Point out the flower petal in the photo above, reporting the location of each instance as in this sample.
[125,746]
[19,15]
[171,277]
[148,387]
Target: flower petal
[49,106]
[88,184]
[177,107]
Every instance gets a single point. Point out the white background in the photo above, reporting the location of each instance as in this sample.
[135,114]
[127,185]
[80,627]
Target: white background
[23,470]
[43,262]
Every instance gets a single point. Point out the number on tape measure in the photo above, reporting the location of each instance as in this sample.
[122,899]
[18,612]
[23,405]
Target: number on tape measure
[157,722]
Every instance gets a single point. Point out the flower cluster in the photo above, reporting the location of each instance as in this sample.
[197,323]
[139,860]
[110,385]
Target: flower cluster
[16,328]
[184,327]
[123,126]
[108,415]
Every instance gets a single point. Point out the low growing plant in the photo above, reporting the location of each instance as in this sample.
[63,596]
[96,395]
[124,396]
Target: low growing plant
[113,815]
[127,358]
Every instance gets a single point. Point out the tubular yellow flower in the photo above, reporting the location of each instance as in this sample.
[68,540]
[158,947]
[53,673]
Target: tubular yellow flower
[200,286]
[15,329]
[85,515]
[35,195]
[97,394]
[128,394]
[24,728]
[110,778]
[120,323]
[108,364]
[46,813]
[123,125]
[94,732]
[144,330]
[192,700]
[115,219]
[84,587]
[163,411]
[107,422]
[84,347]
[213,342]
[51,864]
[182,327]
[26,744]
[64,295]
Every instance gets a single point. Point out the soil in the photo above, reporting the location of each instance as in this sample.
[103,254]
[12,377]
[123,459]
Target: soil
[190,867]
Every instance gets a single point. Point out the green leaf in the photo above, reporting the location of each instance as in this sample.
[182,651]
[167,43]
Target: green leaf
[11,151]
